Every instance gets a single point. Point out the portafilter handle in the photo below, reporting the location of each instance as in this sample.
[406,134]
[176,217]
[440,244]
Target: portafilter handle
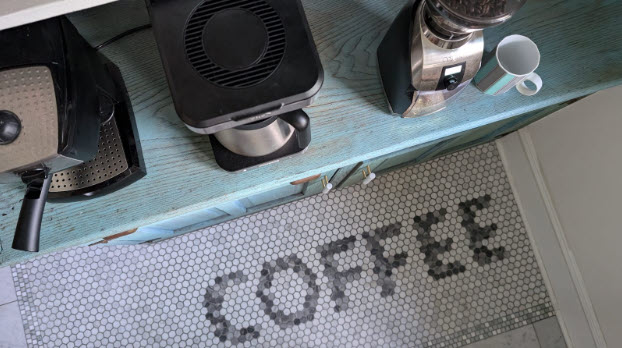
[28,227]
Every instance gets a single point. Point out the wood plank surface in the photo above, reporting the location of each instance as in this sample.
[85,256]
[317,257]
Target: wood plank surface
[579,41]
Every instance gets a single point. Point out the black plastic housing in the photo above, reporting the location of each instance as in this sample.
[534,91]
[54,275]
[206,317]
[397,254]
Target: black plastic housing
[56,44]
[207,107]
[394,60]
[114,85]
[79,84]
[28,227]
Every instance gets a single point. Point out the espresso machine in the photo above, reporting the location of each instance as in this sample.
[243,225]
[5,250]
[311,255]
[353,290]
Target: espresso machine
[434,49]
[67,130]
[240,72]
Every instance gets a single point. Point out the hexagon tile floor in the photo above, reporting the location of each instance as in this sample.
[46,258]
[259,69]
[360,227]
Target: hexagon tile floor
[434,255]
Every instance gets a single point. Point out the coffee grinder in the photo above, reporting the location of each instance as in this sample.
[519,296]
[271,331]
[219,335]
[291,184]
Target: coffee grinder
[434,49]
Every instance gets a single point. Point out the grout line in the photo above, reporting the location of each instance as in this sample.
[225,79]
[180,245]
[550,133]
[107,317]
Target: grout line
[533,326]
[19,305]
[21,320]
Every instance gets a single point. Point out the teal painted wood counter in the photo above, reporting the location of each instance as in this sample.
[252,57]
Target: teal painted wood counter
[579,41]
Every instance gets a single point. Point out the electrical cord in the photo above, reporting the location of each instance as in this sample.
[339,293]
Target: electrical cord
[122,35]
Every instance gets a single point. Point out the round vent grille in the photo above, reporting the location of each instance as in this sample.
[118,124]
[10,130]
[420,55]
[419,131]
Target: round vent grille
[199,41]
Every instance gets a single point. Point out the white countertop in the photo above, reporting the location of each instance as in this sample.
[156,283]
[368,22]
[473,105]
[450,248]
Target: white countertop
[14,13]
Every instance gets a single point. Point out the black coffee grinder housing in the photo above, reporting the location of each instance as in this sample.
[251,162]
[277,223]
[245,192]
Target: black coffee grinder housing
[234,63]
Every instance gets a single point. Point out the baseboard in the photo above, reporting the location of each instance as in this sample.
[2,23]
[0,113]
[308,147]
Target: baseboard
[562,276]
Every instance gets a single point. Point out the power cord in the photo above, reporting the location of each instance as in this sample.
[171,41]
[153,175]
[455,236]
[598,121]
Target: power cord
[122,35]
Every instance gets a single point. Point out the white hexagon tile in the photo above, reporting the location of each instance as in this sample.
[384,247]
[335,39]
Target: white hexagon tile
[434,255]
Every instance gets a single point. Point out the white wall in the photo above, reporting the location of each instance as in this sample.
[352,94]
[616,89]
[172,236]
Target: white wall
[566,171]
[14,13]
[579,150]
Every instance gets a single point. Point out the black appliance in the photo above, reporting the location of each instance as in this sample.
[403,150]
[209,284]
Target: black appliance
[56,92]
[240,71]
[119,161]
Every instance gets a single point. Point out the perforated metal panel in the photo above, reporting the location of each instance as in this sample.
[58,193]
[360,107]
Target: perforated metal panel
[29,94]
[109,162]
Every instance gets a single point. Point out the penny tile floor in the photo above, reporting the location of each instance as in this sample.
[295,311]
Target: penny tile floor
[433,255]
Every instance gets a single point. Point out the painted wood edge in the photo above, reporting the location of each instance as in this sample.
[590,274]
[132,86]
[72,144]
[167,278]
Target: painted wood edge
[233,208]
[557,273]
[51,9]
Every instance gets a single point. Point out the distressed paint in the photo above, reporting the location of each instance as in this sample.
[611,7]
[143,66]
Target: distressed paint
[350,122]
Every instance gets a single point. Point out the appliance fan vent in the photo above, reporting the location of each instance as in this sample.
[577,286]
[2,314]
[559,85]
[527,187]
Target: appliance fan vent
[245,77]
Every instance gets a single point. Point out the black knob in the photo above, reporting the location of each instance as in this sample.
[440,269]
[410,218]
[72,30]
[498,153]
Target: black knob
[10,127]
[297,119]
[451,83]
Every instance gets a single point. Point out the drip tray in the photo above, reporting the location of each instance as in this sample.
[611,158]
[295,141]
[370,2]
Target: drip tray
[109,163]
[119,160]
